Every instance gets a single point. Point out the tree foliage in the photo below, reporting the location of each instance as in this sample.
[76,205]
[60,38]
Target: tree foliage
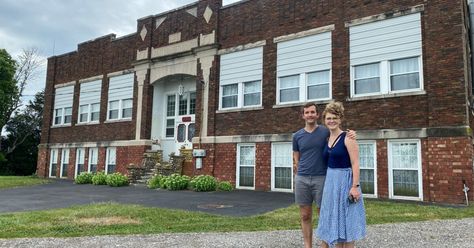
[23,136]
[20,125]
[8,86]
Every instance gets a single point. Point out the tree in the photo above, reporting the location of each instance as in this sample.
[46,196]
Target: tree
[23,137]
[14,76]
[8,87]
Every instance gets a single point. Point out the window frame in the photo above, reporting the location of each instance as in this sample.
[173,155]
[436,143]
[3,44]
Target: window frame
[79,159]
[374,150]
[273,161]
[90,161]
[120,110]
[419,169]
[303,88]
[385,82]
[237,179]
[64,160]
[107,159]
[240,95]
[53,160]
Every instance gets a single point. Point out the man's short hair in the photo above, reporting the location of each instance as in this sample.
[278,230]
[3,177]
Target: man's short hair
[309,104]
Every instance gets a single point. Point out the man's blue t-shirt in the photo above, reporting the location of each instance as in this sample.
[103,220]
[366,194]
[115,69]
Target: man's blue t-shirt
[310,146]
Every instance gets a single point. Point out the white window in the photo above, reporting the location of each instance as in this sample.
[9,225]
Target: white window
[53,163]
[245,166]
[89,101]
[110,162]
[241,79]
[385,56]
[304,69]
[120,97]
[64,162]
[80,155]
[404,161]
[368,167]
[282,167]
[93,157]
[63,99]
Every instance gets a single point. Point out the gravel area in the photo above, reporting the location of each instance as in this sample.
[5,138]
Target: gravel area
[445,233]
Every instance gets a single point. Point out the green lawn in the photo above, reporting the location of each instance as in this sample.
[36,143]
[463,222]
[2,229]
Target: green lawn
[111,218]
[17,181]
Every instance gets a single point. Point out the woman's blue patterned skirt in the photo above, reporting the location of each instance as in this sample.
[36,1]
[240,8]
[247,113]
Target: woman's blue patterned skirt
[339,220]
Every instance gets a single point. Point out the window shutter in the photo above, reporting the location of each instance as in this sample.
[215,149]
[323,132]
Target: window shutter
[389,39]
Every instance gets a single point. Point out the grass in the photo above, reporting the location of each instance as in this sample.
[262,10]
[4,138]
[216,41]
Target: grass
[18,181]
[114,219]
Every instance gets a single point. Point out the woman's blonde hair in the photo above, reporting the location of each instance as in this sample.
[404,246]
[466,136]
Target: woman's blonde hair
[334,108]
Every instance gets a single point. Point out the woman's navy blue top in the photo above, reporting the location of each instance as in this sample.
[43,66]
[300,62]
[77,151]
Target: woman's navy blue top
[337,156]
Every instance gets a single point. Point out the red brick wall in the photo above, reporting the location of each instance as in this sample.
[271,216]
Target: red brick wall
[449,162]
[382,169]
[42,164]
[443,63]
[263,166]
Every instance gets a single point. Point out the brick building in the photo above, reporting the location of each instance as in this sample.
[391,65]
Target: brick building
[231,80]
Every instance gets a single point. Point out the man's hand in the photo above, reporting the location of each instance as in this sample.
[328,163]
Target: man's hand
[351,134]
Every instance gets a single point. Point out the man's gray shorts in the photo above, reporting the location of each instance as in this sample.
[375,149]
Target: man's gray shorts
[309,189]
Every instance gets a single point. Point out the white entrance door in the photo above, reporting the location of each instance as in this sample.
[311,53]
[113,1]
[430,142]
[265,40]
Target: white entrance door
[184,134]
[180,124]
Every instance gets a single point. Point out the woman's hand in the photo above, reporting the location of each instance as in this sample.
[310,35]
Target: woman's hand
[355,193]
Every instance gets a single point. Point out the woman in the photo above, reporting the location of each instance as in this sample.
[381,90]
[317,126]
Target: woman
[342,217]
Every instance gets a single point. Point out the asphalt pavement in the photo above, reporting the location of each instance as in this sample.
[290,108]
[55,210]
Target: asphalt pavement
[65,193]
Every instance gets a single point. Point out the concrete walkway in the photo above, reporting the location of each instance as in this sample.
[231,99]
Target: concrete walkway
[432,234]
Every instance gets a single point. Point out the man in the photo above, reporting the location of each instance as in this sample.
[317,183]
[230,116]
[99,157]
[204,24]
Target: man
[310,168]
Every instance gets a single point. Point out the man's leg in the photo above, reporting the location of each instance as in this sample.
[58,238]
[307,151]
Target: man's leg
[306,214]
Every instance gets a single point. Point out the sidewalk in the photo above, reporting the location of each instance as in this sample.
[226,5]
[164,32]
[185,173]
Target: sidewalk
[433,234]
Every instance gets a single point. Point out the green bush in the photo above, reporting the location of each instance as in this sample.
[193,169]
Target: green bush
[177,182]
[224,186]
[154,182]
[204,183]
[99,178]
[84,178]
[116,180]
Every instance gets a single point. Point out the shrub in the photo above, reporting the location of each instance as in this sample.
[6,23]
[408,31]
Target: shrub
[177,182]
[224,186]
[116,180]
[162,182]
[204,183]
[154,182]
[84,178]
[99,178]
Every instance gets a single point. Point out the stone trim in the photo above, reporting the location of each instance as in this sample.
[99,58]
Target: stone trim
[305,33]
[90,79]
[383,134]
[64,84]
[383,16]
[242,47]
[119,73]
[119,143]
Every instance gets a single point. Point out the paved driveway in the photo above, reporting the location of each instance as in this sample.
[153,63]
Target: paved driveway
[64,193]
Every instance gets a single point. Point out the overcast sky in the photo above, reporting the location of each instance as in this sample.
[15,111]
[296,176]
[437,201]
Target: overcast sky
[57,26]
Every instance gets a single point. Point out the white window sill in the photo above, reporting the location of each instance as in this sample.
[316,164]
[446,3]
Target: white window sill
[300,104]
[61,125]
[118,120]
[87,123]
[238,109]
[382,96]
